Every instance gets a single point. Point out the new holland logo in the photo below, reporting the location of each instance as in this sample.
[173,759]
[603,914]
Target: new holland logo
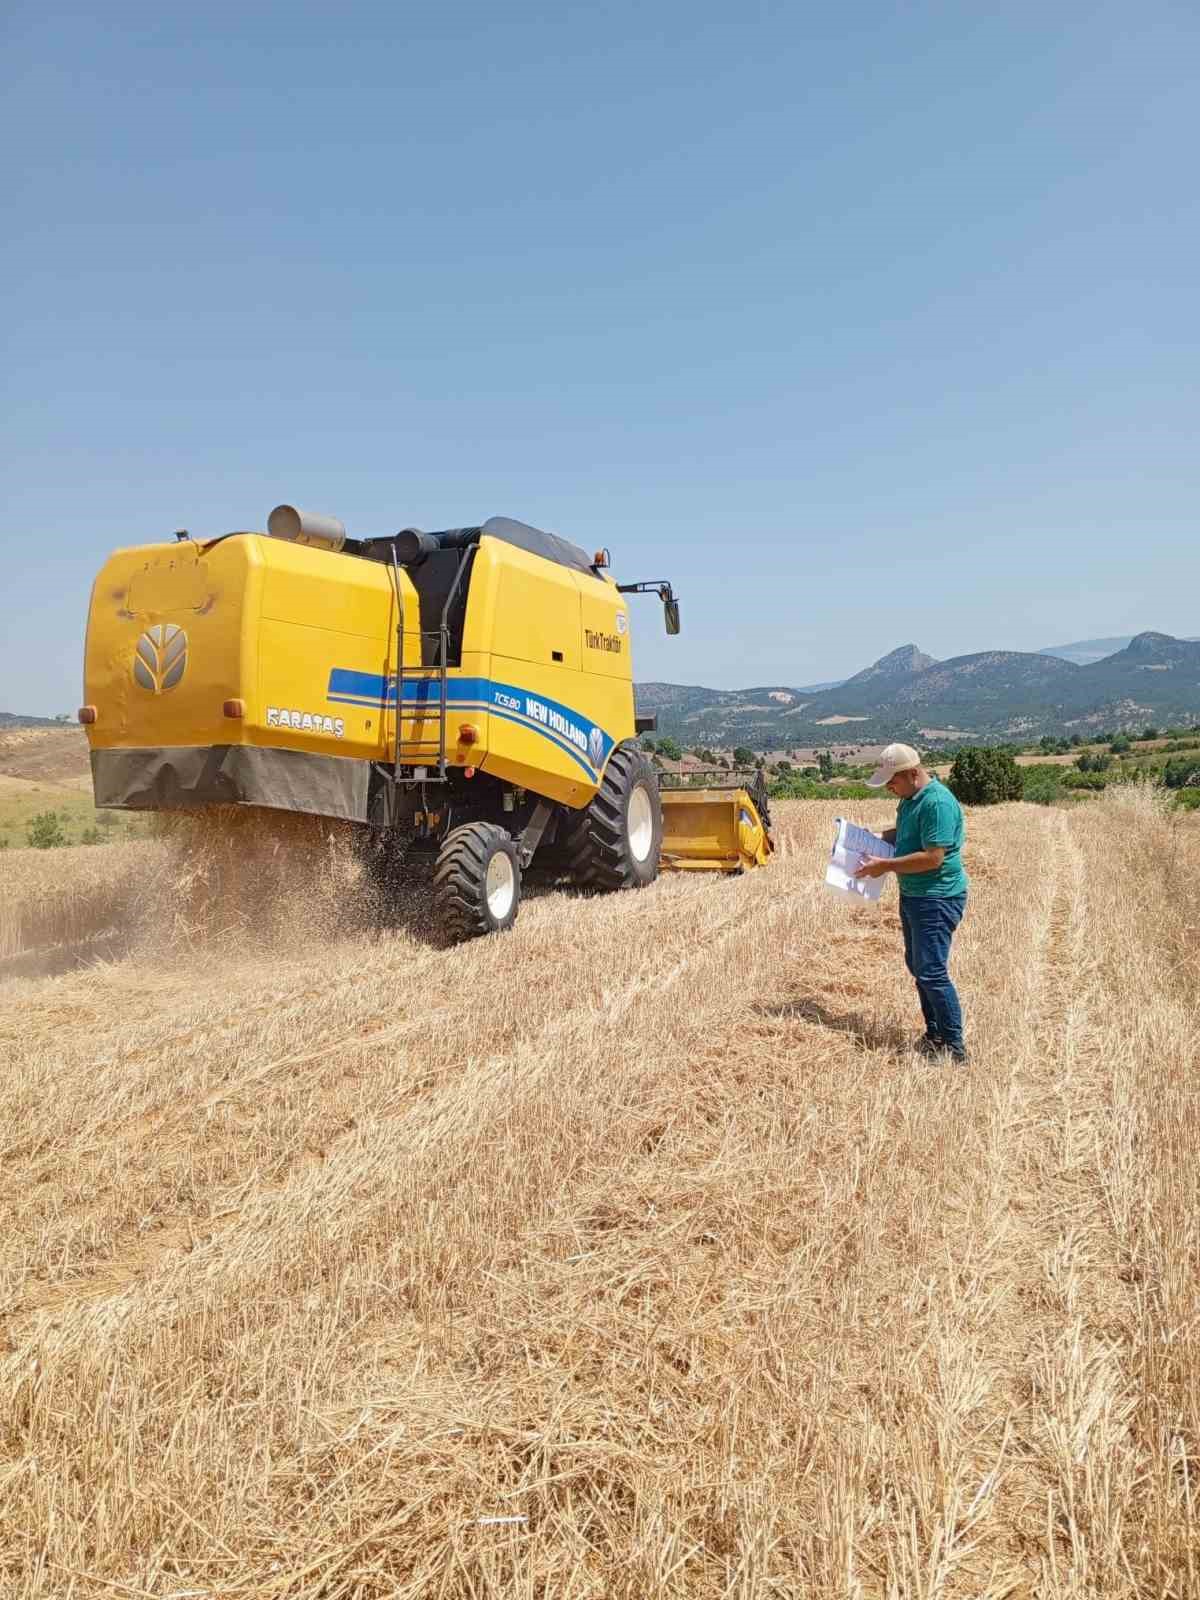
[596,746]
[160,658]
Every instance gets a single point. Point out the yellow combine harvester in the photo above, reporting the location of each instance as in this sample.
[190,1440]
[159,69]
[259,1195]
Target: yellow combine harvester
[468,694]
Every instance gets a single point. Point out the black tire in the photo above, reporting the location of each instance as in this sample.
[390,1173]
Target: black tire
[460,881]
[604,852]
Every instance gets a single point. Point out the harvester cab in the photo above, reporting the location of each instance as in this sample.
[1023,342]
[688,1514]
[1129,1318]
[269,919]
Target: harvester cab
[466,694]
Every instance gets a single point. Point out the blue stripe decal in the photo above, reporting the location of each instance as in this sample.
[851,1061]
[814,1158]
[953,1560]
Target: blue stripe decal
[584,741]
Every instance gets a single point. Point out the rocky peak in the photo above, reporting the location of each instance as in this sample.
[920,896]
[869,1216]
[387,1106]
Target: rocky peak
[1152,644]
[897,664]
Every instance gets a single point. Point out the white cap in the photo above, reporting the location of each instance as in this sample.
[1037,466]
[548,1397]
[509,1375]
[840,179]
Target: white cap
[896,758]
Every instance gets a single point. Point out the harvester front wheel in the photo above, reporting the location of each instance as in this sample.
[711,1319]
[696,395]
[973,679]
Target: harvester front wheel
[477,881]
[617,841]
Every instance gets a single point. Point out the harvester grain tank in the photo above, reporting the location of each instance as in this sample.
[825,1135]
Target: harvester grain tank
[467,694]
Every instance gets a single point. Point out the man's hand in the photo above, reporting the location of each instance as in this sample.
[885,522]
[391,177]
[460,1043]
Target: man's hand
[873,867]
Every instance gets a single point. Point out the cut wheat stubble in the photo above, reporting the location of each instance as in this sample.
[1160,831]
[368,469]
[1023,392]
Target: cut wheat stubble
[639,1224]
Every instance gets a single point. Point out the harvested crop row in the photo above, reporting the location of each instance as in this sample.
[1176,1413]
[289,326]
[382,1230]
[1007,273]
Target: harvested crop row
[631,1253]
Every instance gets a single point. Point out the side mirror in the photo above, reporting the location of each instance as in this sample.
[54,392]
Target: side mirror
[671,615]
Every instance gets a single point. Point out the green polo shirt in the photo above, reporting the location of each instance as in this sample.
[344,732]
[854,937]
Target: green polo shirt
[932,817]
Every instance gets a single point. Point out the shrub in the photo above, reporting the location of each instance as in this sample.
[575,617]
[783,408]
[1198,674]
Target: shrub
[1043,791]
[45,831]
[1041,784]
[981,777]
[91,836]
[795,787]
[1179,774]
[1120,743]
[1187,799]
[1148,733]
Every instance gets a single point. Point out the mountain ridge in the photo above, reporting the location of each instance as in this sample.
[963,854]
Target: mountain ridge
[1084,651]
[990,695]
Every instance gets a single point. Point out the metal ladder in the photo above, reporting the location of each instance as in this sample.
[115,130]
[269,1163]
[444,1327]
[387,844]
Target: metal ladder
[406,771]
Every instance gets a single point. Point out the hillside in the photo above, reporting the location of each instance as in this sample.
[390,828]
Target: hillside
[14,719]
[49,752]
[993,694]
[44,767]
[662,1269]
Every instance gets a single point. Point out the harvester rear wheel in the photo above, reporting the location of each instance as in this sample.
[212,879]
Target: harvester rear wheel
[477,881]
[617,841]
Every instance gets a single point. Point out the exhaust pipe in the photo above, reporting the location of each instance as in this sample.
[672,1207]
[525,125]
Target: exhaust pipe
[411,544]
[306,527]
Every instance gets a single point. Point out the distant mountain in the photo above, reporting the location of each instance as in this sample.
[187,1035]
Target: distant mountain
[992,695]
[12,719]
[1084,651]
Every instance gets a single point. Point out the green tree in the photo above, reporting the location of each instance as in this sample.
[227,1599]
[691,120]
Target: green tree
[825,764]
[1148,733]
[45,831]
[1120,743]
[743,756]
[981,777]
[670,749]
[1093,763]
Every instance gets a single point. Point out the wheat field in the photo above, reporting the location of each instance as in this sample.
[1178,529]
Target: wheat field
[631,1254]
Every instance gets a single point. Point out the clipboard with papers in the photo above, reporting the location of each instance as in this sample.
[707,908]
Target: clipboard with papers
[851,845]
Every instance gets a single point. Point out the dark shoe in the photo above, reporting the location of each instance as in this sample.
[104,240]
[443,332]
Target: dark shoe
[939,1050]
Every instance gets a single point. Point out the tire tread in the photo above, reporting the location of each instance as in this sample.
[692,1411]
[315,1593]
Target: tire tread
[459,880]
[597,847]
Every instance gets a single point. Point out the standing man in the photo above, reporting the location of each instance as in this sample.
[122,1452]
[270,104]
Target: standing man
[928,837]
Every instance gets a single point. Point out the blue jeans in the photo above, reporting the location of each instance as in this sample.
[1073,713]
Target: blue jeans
[929,922]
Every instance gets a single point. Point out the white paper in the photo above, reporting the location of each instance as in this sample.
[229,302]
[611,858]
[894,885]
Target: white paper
[851,846]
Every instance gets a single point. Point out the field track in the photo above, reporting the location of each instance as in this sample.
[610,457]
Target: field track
[640,1229]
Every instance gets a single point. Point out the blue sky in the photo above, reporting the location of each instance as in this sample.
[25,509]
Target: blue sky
[863,324]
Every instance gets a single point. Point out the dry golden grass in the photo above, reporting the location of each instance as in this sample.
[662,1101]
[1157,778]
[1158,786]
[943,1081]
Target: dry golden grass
[631,1254]
[50,898]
